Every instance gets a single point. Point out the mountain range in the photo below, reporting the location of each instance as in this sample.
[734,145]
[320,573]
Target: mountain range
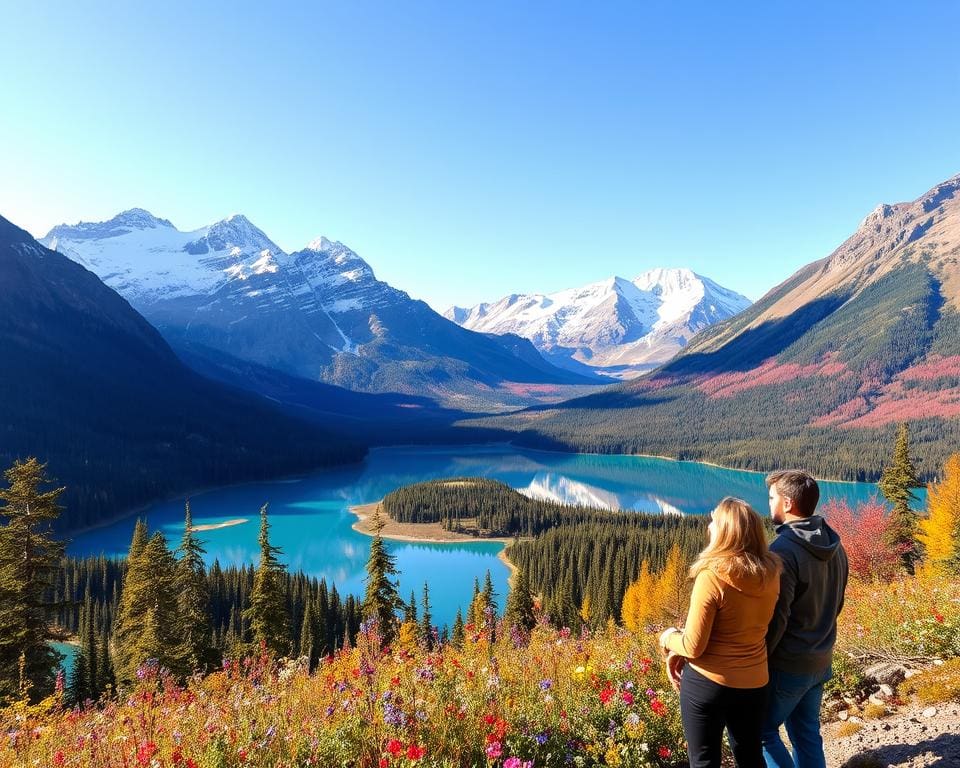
[93,389]
[817,373]
[319,313]
[616,327]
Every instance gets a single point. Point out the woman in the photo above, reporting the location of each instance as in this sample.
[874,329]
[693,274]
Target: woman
[736,585]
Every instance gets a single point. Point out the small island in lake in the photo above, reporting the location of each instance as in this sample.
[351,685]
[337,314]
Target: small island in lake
[216,526]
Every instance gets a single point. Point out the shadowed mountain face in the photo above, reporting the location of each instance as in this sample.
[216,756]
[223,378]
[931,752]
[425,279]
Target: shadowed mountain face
[318,314]
[816,373]
[93,389]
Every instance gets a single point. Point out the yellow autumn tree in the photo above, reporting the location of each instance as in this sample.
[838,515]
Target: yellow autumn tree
[671,596]
[940,531]
[635,609]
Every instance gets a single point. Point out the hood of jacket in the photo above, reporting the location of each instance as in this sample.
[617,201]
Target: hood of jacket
[813,534]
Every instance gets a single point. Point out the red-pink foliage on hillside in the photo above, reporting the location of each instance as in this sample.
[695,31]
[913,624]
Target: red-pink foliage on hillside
[769,372]
[863,532]
[936,367]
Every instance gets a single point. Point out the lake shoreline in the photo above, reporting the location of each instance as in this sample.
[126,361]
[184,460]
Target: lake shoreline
[425,533]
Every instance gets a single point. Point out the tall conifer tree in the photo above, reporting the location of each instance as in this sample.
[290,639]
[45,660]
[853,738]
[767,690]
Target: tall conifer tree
[381,600]
[193,598]
[520,603]
[267,614]
[897,482]
[30,559]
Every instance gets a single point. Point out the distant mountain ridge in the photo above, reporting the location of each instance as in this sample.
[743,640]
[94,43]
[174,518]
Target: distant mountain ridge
[618,327]
[319,313]
[817,373]
[93,389]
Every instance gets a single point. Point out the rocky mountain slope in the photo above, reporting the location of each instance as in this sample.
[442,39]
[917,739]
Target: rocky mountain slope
[318,313]
[818,372]
[616,327]
[92,388]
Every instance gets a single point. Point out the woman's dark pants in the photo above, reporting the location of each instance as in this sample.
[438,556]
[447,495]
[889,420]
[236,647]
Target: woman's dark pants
[707,707]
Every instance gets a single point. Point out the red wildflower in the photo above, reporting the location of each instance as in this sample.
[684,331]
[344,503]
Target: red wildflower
[395,747]
[658,707]
[938,617]
[645,665]
[394,681]
[415,752]
[664,752]
[59,759]
[606,694]
[191,763]
[627,698]
[383,762]
[145,751]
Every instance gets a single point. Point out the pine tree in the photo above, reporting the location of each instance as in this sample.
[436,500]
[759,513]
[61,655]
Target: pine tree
[30,561]
[520,611]
[308,636]
[896,484]
[85,681]
[267,614]
[381,599]
[459,634]
[147,618]
[410,610]
[635,611]
[940,531]
[426,620]
[193,601]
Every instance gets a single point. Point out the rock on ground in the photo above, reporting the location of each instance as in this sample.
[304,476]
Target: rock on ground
[906,739]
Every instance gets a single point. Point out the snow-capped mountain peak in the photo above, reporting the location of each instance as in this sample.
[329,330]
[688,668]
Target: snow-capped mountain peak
[619,325]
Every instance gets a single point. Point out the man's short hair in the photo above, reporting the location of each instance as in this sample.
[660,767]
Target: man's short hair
[799,487]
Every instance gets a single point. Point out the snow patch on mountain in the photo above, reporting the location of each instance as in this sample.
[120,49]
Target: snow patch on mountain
[618,326]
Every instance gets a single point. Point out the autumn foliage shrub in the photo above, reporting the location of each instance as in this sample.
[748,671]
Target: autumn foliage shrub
[863,531]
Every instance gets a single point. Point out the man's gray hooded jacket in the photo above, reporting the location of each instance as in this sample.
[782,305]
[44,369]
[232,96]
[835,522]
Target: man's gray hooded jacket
[804,626]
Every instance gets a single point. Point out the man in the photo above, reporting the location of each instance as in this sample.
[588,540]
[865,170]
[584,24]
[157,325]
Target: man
[803,630]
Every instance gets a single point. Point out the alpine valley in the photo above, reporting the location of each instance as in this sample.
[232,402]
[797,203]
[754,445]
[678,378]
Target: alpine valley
[616,327]
[320,314]
[817,373]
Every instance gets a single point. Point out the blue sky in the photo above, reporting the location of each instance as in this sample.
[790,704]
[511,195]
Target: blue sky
[468,151]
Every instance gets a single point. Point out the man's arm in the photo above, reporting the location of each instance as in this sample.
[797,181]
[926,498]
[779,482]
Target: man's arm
[781,613]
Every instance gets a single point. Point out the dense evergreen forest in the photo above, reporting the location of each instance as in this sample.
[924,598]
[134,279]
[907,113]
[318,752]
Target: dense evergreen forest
[571,555]
[735,397]
[331,619]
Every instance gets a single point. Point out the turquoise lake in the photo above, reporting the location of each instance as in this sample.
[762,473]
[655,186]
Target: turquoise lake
[311,522]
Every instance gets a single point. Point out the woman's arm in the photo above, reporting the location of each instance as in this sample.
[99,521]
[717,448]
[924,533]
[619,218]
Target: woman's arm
[704,601]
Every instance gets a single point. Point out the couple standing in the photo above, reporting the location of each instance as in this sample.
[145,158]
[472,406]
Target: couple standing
[757,645]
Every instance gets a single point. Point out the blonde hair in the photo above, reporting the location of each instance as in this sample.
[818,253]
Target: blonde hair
[738,547]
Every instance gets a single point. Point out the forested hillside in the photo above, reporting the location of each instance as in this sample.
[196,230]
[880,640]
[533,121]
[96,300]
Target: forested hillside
[817,373]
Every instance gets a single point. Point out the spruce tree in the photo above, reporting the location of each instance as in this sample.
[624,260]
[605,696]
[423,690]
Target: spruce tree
[426,619]
[381,599]
[520,611]
[267,614]
[193,600]
[308,635]
[85,681]
[897,482]
[30,561]
[459,634]
[147,619]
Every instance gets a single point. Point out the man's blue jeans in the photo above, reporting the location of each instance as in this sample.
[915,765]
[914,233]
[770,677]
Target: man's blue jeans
[794,700]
